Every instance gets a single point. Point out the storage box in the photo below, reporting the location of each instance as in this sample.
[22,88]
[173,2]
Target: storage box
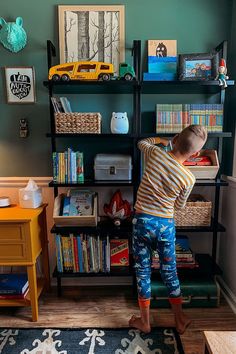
[197,212]
[30,199]
[206,172]
[199,292]
[84,123]
[112,167]
[84,220]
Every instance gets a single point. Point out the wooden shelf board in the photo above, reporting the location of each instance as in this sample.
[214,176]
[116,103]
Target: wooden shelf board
[26,300]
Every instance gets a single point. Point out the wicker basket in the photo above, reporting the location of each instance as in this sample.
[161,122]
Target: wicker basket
[84,123]
[197,212]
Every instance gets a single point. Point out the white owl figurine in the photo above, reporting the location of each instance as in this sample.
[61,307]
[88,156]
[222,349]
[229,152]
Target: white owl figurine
[119,123]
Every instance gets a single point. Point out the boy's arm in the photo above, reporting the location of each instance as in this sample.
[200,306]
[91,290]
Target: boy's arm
[147,145]
[182,197]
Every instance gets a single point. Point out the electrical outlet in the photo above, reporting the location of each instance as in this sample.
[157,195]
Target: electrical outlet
[23,128]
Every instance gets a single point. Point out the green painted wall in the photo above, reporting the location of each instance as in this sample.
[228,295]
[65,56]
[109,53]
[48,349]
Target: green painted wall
[231,99]
[198,26]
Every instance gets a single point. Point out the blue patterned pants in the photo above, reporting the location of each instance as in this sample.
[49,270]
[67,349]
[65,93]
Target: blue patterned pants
[154,233]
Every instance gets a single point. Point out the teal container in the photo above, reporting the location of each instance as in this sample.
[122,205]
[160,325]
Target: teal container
[196,293]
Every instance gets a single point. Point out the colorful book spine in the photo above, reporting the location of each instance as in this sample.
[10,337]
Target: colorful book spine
[80,254]
[59,253]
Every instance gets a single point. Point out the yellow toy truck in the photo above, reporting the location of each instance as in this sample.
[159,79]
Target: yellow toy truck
[89,70]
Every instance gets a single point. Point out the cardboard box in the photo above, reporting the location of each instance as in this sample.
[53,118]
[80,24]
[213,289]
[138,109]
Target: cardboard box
[83,220]
[206,172]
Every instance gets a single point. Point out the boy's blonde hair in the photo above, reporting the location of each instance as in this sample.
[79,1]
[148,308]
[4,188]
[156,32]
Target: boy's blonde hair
[192,139]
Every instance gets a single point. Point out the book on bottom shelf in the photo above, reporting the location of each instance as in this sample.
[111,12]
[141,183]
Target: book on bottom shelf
[84,253]
[119,252]
[13,283]
[184,255]
[14,296]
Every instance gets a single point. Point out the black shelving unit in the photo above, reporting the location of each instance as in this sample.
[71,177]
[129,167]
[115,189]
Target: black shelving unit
[99,87]
[138,88]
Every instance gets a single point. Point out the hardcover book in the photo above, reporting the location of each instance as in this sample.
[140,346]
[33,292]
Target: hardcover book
[119,252]
[13,283]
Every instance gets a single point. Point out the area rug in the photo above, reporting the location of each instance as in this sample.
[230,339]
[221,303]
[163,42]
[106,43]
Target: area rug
[89,341]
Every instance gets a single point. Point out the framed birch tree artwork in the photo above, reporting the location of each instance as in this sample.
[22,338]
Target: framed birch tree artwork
[92,33]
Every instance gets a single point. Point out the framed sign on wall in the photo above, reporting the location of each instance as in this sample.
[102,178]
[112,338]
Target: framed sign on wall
[92,33]
[20,84]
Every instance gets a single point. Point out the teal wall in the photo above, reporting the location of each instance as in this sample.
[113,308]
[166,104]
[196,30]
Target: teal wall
[231,98]
[198,26]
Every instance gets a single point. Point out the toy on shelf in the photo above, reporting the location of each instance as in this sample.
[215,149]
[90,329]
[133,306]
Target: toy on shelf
[222,71]
[90,70]
[126,72]
[81,70]
[119,123]
[118,209]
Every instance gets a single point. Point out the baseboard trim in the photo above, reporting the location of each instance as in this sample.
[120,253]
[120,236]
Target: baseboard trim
[228,294]
[14,182]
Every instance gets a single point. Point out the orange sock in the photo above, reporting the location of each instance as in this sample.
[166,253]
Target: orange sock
[175,300]
[143,302]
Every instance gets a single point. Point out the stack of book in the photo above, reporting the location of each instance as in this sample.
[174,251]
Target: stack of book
[86,253]
[172,118]
[13,286]
[61,105]
[184,255]
[68,166]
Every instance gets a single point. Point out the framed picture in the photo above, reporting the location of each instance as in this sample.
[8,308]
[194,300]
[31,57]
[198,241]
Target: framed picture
[20,84]
[198,66]
[92,33]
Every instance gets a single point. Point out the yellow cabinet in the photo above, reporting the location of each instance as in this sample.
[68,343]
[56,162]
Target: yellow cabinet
[23,236]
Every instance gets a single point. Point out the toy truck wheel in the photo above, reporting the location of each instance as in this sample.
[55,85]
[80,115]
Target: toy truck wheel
[65,77]
[104,77]
[56,77]
[128,77]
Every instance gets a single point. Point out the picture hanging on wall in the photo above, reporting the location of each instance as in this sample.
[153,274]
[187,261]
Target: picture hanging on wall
[92,33]
[20,84]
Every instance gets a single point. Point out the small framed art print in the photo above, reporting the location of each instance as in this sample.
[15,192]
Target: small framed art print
[20,84]
[202,66]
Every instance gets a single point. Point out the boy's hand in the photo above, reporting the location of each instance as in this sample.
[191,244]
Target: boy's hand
[162,141]
[165,142]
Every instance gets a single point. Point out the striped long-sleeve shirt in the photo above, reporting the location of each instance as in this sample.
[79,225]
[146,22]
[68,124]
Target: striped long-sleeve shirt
[166,183]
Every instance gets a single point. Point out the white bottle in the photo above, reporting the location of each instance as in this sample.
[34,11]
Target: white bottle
[119,123]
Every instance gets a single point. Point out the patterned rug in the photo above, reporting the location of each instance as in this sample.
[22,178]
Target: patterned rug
[89,341]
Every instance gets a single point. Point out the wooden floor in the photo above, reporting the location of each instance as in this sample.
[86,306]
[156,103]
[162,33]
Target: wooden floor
[112,307]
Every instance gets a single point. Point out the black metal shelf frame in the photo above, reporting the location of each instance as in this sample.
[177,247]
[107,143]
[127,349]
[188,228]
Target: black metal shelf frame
[137,88]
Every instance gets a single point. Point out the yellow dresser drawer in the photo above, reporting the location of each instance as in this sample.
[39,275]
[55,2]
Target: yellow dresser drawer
[13,245]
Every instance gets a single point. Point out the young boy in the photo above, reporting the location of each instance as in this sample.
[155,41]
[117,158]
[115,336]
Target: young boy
[166,184]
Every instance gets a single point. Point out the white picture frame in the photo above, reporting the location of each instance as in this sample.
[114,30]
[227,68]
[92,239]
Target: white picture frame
[92,33]
[20,84]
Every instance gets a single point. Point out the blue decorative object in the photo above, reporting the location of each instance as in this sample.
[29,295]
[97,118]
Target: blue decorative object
[119,123]
[162,65]
[159,77]
[12,35]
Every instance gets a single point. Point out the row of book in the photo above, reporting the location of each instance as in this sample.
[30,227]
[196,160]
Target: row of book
[13,286]
[68,166]
[86,253]
[61,105]
[172,118]
[184,255]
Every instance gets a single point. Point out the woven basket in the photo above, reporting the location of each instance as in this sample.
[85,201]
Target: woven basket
[84,123]
[197,212]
